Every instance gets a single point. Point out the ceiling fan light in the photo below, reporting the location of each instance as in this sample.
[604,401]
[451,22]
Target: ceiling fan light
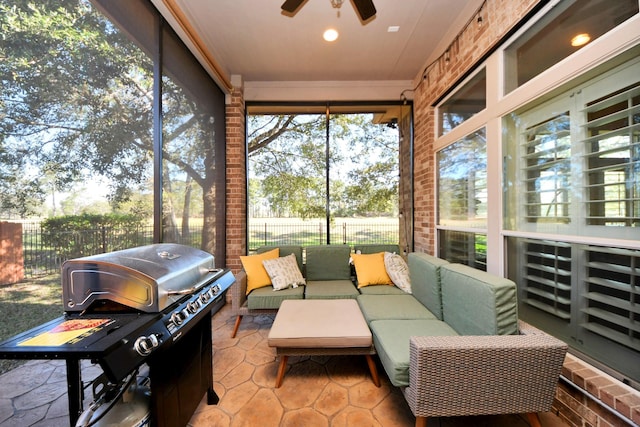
[330,35]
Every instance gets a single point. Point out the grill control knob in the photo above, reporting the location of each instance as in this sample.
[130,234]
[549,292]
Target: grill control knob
[205,297]
[144,345]
[178,317]
[192,307]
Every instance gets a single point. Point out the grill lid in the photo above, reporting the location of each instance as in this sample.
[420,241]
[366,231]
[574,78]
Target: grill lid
[147,278]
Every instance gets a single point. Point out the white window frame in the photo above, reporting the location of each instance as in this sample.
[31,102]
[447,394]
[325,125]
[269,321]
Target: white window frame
[578,65]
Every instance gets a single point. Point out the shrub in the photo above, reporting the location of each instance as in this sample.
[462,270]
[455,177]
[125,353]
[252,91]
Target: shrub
[74,236]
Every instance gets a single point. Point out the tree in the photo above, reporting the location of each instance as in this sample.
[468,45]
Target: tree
[76,98]
[287,156]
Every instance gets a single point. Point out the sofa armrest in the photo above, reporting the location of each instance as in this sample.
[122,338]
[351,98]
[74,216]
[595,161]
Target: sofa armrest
[474,375]
[239,292]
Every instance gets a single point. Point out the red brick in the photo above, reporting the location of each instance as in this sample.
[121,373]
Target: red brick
[595,384]
[626,402]
[581,376]
[635,415]
[609,394]
[570,366]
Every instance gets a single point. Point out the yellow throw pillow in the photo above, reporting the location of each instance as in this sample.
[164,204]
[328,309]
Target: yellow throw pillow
[257,276]
[370,269]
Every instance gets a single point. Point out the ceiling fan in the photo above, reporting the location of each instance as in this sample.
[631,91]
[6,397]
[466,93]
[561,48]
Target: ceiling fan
[364,8]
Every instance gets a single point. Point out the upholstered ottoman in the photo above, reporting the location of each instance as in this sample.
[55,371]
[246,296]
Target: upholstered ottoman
[321,327]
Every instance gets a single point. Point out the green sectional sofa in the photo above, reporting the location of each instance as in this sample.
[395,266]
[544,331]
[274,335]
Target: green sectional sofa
[454,345]
[327,272]
[458,347]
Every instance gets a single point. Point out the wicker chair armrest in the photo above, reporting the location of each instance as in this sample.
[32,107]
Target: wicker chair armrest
[474,375]
[239,291]
[527,329]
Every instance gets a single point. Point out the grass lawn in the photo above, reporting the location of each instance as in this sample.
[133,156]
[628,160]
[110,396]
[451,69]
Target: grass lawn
[27,304]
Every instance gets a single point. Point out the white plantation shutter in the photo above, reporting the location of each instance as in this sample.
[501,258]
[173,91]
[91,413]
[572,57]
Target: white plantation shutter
[546,279]
[612,294]
[546,159]
[612,158]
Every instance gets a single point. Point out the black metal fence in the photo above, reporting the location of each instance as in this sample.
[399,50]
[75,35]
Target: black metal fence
[315,233]
[41,257]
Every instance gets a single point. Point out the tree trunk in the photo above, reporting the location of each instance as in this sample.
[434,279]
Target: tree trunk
[186,209]
[209,220]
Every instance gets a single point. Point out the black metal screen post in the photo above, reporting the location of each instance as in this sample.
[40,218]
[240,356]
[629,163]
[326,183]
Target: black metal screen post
[326,159]
[157,135]
[344,233]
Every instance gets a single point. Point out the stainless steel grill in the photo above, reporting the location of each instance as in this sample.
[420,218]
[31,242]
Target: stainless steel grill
[147,305]
[148,278]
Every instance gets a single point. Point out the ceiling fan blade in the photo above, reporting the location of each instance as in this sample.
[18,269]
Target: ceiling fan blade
[290,6]
[365,8]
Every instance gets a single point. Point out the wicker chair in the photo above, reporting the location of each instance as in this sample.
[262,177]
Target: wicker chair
[484,375]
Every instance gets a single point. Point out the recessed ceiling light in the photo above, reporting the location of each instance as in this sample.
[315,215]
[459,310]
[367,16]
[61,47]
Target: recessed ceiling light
[330,35]
[580,40]
[393,29]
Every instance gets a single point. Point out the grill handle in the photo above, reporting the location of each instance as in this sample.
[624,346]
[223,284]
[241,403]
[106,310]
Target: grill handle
[188,291]
[192,290]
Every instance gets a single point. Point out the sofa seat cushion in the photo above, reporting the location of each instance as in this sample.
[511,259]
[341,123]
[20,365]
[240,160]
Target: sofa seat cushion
[478,303]
[267,298]
[381,290]
[391,340]
[383,307]
[330,289]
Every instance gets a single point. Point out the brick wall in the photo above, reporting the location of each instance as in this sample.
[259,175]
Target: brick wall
[11,260]
[236,191]
[590,397]
[496,18]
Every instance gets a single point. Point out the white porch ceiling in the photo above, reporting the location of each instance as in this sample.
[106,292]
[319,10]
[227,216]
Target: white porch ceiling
[255,40]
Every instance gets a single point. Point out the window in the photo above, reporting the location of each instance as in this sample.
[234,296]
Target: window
[572,170]
[462,182]
[612,158]
[569,26]
[462,200]
[585,294]
[320,175]
[193,151]
[467,101]
[547,157]
[463,248]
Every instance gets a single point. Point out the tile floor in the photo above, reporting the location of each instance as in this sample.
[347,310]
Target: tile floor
[317,391]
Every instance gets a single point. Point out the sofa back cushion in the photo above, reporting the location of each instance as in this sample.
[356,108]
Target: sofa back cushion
[328,262]
[478,303]
[424,271]
[284,251]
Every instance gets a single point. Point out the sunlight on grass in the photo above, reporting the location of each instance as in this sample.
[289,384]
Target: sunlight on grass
[28,304]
